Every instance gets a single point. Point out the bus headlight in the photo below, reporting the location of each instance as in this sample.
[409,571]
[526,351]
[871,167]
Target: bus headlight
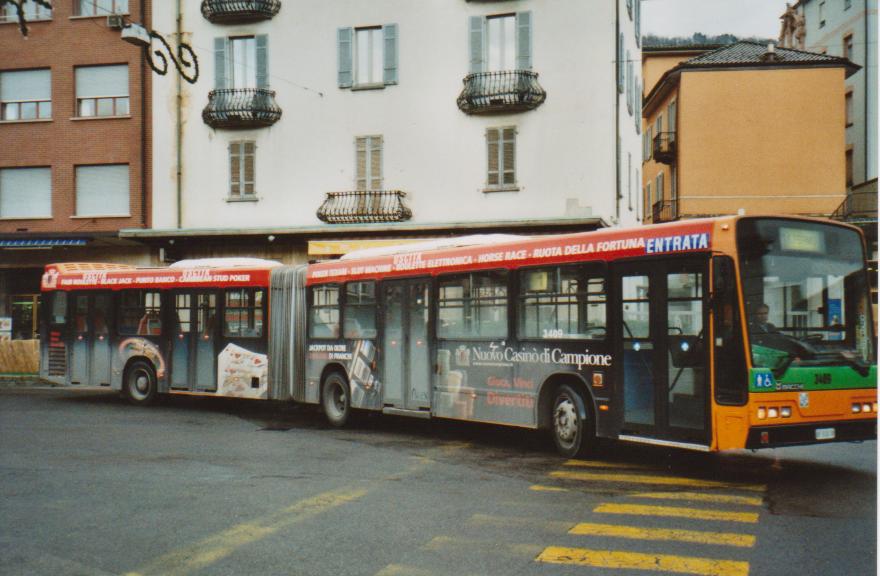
[856,408]
[785,411]
[772,412]
[762,413]
[866,407]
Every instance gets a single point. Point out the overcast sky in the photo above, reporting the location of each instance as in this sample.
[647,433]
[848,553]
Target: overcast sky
[741,18]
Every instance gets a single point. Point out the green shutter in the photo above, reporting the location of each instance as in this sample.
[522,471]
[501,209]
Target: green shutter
[524,40]
[477,35]
[262,42]
[389,32]
[620,59]
[344,48]
[220,63]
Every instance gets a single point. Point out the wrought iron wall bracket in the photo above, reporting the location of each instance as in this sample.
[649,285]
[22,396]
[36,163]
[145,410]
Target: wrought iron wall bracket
[186,62]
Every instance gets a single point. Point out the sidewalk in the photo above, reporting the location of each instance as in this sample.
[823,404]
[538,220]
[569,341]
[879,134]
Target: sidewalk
[24,381]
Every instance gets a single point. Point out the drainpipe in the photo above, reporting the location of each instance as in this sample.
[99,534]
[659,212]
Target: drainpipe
[179,125]
[618,145]
[144,176]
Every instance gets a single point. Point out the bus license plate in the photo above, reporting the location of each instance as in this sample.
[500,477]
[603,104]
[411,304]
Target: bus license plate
[824,433]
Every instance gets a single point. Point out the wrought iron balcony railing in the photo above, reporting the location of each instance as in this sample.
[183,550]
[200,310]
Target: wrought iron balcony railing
[664,211]
[663,148]
[858,208]
[241,108]
[236,11]
[364,207]
[507,91]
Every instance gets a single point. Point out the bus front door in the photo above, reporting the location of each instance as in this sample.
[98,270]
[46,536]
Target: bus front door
[406,361]
[90,362]
[193,359]
[663,313]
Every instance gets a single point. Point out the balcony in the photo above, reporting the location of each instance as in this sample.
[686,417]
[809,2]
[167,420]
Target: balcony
[664,211]
[663,148]
[238,11]
[500,92]
[860,207]
[241,108]
[364,207]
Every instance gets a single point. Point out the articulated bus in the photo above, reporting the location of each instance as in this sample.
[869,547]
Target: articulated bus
[712,334]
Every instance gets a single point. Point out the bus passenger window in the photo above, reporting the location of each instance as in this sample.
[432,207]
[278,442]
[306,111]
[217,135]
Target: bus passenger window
[139,313]
[243,317]
[59,308]
[561,302]
[359,313]
[324,317]
[473,306]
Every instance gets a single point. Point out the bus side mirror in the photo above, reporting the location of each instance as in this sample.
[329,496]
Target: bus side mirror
[722,276]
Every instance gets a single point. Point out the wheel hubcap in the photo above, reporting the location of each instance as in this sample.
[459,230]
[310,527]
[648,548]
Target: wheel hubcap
[566,421]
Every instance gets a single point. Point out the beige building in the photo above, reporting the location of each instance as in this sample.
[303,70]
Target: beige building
[746,127]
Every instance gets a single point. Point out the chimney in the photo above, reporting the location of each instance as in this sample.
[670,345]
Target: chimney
[770,55]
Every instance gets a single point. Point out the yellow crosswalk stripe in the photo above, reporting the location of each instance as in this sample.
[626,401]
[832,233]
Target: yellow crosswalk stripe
[650,479]
[676,512]
[702,497]
[542,488]
[601,464]
[403,570]
[639,561]
[638,533]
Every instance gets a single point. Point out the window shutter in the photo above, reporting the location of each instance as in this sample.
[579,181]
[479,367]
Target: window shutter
[25,192]
[638,23]
[629,83]
[249,159]
[389,32]
[343,40]
[26,85]
[477,36]
[376,163]
[220,46]
[524,40]
[492,149]
[96,81]
[620,64]
[360,164]
[660,187]
[235,169]
[102,190]
[508,158]
[262,42]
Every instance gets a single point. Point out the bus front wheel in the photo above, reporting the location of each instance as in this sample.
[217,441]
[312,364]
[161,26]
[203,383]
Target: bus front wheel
[336,398]
[572,433]
[140,383]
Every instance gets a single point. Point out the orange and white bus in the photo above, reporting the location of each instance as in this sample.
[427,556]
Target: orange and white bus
[713,334]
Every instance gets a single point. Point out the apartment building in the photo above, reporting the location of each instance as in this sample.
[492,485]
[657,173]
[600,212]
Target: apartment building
[317,126]
[746,127]
[75,133]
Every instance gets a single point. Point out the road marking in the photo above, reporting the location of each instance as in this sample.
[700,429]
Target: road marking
[702,497]
[601,464]
[675,512]
[637,533]
[403,570]
[638,561]
[649,479]
[541,488]
[214,548]
[447,543]
[558,526]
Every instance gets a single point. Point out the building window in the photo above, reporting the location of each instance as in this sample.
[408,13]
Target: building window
[25,193]
[648,151]
[102,91]
[33,12]
[848,108]
[25,95]
[367,56]
[849,168]
[102,190]
[242,173]
[242,62]
[368,153]
[848,46]
[659,188]
[821,14]
[620,59]
[501,154]
[501,42]
[649,200]
[99,7]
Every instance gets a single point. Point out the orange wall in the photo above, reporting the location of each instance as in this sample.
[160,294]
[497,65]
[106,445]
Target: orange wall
[762,140]
[655,65]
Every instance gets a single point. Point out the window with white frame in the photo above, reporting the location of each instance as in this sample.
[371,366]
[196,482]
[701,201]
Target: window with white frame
[501,42]
[368,160]
[25,192]
[99,7]
[242,63]
[33,12]
[501,156]
[25,94]
[102,190]
[102,91]
[242,170]
[367,56]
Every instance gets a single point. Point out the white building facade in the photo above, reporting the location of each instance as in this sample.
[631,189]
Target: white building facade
[348,119]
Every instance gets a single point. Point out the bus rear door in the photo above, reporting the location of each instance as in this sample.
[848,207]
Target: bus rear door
[90,354]
[406,361]
[193,358]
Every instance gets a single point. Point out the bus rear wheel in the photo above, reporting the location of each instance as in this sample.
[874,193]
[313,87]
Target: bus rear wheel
[336,399]
[572,432]
[140,383]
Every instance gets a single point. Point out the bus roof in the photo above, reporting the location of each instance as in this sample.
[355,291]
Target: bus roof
[681,237]
[193,274]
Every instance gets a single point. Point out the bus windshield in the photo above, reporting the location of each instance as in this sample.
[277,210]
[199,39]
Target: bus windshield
[806,294]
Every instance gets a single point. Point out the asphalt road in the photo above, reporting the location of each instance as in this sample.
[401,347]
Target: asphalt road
[90,485]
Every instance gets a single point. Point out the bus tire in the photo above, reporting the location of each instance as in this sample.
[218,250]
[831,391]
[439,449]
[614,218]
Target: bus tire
[570,423]
[140,383]
[336,399]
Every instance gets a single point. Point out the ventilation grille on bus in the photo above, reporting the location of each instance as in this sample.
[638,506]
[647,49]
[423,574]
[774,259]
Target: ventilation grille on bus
[57,359]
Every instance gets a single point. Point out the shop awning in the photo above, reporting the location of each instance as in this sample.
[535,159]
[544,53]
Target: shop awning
[41,242]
